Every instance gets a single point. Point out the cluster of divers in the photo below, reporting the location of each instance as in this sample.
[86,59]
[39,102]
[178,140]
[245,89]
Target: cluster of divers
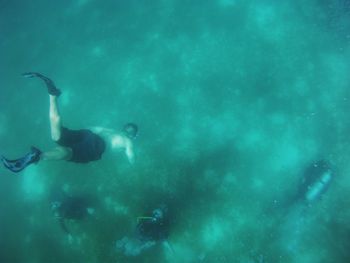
[150,229]
[155,227]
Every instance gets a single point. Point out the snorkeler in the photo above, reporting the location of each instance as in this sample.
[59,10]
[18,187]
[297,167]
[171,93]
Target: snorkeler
[79,146]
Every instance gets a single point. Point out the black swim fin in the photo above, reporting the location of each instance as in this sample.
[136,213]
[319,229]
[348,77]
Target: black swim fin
[51,88]
[19,164]
[63,225]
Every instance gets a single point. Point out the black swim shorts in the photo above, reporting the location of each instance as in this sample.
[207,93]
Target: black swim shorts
[86,146]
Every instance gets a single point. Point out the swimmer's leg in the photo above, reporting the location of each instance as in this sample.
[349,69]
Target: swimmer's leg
[55,119]
[57,154]
[34,156]
[54,93]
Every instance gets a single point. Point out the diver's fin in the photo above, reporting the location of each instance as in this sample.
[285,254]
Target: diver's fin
[168,246]
[63,225]
[51,88]
[30,74]
[35,154]
[19,164]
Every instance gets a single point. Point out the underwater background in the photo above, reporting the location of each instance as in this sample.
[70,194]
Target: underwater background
[233,99]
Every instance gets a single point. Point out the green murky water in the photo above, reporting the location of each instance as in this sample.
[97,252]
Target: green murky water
[233,100]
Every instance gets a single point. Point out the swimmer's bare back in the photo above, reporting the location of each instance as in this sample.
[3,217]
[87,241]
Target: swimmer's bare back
[116,141]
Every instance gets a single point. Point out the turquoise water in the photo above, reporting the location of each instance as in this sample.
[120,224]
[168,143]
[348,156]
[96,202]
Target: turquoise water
[233,100]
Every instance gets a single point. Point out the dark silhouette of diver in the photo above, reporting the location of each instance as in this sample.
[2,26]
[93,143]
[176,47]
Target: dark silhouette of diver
[313,184]
[80,146]
[66,207]
[150,230]
[155,227]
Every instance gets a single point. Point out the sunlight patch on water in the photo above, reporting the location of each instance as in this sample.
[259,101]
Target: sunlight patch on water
[267,18]
[81,3]
[151,82]
[116,207]
[97,51]
[229,182]
[257,183]
[287,154]
[33,183]
[66,97]
[336,82]
[253,139]
[3,124]
[77,6]
[182,253]
[227,3]
[214,231]
[338,69]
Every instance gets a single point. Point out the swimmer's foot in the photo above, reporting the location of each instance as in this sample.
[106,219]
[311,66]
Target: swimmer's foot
[19,164]
[51,88]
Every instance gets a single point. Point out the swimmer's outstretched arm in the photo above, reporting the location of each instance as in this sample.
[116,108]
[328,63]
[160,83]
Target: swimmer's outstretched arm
[129,151]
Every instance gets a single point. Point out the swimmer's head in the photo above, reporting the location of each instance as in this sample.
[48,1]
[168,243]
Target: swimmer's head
[130,130]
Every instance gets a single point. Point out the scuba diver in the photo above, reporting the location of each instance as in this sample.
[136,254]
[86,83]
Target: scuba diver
[155,227]
[313,184]
[315,181]
[150,230]
[295,216]
[80,146]
[65,207]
